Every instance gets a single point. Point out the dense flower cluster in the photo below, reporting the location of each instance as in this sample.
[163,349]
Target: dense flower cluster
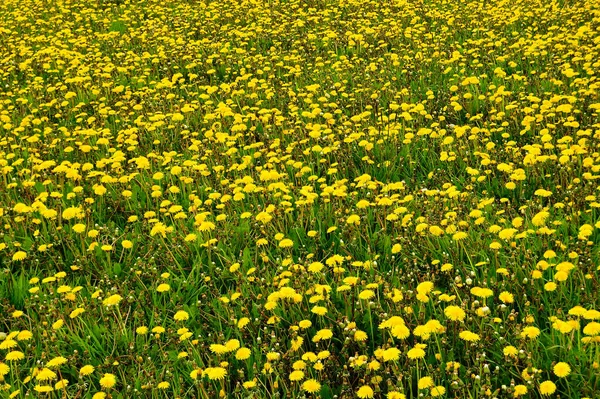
[260,199]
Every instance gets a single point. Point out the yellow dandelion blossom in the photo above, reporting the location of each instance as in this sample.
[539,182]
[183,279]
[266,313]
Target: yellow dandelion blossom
[455,313]
[108,381]
[365,392]
[311,386]
[425,382]
[530,332]
[181,315]
[561,369]
[215,373]
[547,388]
[416,353]
[86,370]
[296,375]
[112,300]
[243,353]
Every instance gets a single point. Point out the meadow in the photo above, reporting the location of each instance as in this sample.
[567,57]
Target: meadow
[300,199]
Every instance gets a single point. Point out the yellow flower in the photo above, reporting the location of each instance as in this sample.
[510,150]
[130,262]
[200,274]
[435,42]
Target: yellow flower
[181,315]
[506,297]
[416,353]
[550,286]
[112,300]
[391,354]
[243,322]
[45,374]
[530,332]
[296,375]
[319,310]
[215,373]
[425,287]
[142,330]
[365,392]
[19,255]
[286,243]
[520,390]
[425,382]
[249,384]
[108,381]
[360,336]
[163,385]
[592,329]
[243,353]
[469,336]
[315,267]
[438,391]
[561,369]
[57,361]
[163,287]
[461,235]
[14,355]
[547,388]
[510,351]
[454,313]
[482,292]
[76,312]
[322,334]
[86,370]
[311,386]
[366,294]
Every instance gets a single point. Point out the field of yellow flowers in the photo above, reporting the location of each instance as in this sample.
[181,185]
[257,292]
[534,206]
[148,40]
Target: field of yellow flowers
[300,199]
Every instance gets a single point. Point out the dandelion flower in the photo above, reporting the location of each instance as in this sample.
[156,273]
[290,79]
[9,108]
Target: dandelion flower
[520,390]
[530,332]
[112,300]
[108,381]
[215,373]
[469,336]
[365,392]
[510,351]
[86,370]
[455,313]
[181,315]
[243,353]
[163,287]
[592,329]
[296,375]
[547,388]
[416,353]
[57,361]
[19,255]
[561,369]
[391,354]
[45,374]
[360,336]
[14,355]
[311,386]
[506,297]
